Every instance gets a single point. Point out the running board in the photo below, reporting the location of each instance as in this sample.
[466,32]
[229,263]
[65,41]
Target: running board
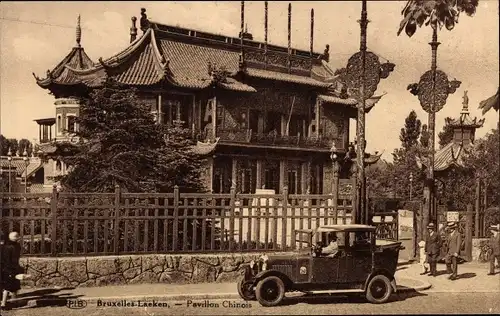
[334,291]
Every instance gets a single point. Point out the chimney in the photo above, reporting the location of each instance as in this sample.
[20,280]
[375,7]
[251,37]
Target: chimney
[133,29]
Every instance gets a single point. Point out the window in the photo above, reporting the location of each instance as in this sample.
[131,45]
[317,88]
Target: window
[72,125]
[272,176]
[175,107]
[253,121]
[297,125]
[58,166]
[273,123]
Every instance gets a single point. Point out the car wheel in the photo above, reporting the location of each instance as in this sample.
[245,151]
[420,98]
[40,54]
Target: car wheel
[245,290]
[379,289]
[270,291]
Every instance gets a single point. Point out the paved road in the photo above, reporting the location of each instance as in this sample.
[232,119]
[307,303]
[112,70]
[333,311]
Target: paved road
[435,303]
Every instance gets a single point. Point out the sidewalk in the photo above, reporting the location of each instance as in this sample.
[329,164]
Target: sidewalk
[171,292]
[472,277]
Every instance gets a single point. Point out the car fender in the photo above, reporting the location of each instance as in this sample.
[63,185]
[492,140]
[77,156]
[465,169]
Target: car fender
[383,272]
[264,274]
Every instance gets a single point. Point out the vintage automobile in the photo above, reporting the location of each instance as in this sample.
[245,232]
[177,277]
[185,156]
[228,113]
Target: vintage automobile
[362,266]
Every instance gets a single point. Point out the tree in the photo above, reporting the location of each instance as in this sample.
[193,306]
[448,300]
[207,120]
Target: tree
[25,145]
[436,13]
[405,163]
[411,131]
[13,147]
[4,145]
[446,136]
[120,143]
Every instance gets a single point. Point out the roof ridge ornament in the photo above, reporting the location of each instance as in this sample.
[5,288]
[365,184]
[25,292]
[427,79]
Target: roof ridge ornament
[465,108]
[144,23]
[78,31]
[133,29]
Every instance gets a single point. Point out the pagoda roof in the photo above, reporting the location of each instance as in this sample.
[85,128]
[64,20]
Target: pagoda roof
[184,58]
[446,157]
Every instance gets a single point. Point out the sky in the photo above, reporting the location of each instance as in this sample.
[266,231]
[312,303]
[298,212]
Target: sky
[35,36]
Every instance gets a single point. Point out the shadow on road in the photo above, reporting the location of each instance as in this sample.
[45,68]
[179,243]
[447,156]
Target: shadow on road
[42,298]
[467,275]
[343,299]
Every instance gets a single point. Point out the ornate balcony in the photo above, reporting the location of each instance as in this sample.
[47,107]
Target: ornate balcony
[247,136]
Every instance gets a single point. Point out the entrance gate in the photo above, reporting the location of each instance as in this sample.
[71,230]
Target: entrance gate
[464,228]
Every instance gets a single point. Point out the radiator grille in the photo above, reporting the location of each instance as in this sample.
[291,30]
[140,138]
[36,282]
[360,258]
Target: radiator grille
[284,268]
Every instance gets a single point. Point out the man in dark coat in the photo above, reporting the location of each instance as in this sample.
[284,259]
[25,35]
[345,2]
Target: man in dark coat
[432,247]
[454,245]
[11,252]
[495,248]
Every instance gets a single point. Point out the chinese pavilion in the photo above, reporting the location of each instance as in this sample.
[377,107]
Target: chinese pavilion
[275,116]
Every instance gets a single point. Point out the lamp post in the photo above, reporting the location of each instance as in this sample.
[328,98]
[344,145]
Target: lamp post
[432,91]
[335,184]
[26,163]
[9,159]
[361,76]
[411,184]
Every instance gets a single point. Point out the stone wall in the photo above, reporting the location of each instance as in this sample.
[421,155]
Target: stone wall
[122,270]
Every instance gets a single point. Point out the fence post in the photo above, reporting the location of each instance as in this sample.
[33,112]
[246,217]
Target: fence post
[175,223]
[116,242]
[478,205]
[232,205]
[53,220]
[468,232]
[284,219]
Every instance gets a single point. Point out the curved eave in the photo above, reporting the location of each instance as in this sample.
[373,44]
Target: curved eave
[369,103]
[284,77]
[204,149]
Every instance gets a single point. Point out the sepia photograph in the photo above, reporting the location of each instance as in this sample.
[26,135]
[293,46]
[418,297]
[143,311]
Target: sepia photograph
[249,157]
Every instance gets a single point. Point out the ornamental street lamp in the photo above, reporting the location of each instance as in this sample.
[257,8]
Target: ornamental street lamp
[432,91]
[26,163]
[361,76]
[411,184]
[9,159]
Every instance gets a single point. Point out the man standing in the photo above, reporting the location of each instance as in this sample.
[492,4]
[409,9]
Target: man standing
[432,248]
[454,245]
[495,247]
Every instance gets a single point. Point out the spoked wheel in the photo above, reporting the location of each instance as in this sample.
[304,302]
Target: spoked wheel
[379,289]
[270,291]
[245,290]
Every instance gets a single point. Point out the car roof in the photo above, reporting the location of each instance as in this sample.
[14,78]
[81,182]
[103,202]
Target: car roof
[344,228]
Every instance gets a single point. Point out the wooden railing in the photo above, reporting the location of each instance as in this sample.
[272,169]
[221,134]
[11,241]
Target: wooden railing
[76,224]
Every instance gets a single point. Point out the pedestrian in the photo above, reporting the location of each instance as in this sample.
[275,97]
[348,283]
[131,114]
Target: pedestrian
[453,250]
[11,268]
[424,263]
[495,247]
[432,248]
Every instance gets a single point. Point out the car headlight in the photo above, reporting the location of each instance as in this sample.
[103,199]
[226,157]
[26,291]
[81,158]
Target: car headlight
[264,260]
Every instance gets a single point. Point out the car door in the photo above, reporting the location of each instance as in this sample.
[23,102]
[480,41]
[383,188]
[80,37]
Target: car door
[360,254]
[326,269]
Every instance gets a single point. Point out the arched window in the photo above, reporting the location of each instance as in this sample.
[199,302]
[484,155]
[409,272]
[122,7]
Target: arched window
[58,165]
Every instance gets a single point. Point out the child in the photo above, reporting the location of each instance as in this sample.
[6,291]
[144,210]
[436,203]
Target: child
[423,258]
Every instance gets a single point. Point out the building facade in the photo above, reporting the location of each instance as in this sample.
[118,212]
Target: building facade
[275,116]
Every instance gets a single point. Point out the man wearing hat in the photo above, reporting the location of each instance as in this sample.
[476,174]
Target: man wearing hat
[432,247]
[454,245]
[10,267]
[495,247]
